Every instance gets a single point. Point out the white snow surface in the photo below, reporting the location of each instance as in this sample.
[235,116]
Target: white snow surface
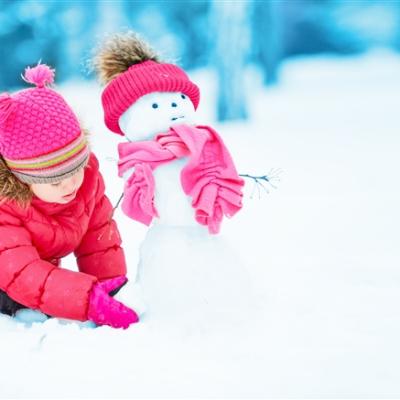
[322,251]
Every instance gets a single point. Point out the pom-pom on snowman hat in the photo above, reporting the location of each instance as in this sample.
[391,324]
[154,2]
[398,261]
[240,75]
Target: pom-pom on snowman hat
[131,70]
[40,137]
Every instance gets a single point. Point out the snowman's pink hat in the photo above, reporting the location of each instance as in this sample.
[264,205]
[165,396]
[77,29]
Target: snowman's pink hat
[139,80]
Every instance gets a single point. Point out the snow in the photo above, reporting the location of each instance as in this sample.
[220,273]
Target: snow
[321,249]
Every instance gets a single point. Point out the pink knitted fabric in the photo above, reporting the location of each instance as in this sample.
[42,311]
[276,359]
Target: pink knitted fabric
[40,137]
[141,79]
[209,177]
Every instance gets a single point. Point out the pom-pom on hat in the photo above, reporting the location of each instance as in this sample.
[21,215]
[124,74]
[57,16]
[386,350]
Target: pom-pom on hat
[40,137]
[141,79]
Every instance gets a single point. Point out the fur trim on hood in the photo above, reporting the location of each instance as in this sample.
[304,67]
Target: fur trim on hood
[11,188]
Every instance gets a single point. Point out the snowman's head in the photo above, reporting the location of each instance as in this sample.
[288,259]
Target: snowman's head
[154,113]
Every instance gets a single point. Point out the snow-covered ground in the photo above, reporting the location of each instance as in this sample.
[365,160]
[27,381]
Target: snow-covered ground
[322,250]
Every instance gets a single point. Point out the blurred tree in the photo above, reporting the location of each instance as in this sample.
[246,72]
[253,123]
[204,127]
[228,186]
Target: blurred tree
[152,22]
[231,43]
[28,33]
[57,33]
[112,16]
[307,27]
[337,26]
[178,33]
[11,31]
[397,40]
[78,22]
[267,42]
[373,23]
[194,32]
[190,24]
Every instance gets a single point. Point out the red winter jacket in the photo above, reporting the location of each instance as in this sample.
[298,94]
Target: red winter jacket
[33,239]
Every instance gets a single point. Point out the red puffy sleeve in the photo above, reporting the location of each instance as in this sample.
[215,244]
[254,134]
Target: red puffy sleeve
[100,253]
[36,283]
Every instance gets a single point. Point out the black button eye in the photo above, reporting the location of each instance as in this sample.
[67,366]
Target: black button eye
[154,105]
[183,96]
[174,104]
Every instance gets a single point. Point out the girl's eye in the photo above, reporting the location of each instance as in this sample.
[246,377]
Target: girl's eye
[183,96]
[154,105]
[55,184]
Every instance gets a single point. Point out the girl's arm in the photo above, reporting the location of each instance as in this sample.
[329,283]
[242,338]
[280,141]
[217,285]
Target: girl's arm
[100,253]
[38,284]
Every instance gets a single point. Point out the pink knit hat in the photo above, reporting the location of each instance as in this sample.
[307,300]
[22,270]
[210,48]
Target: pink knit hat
[140,79]
[40,137]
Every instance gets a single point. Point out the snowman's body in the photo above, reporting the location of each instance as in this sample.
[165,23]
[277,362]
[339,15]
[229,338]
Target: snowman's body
[172,203]
[184,273]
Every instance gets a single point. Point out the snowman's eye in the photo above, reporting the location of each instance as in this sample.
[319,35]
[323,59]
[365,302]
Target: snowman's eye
[154,105]
[183,96]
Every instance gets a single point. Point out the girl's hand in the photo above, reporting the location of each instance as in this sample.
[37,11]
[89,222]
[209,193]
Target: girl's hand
[104,310]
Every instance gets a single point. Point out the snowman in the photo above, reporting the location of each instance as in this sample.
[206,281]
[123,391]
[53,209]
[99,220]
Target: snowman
[180,180]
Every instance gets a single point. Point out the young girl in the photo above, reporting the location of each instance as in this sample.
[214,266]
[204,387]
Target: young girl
[52,203]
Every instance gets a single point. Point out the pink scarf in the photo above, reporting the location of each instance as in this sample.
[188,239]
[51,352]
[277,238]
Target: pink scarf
[209,177]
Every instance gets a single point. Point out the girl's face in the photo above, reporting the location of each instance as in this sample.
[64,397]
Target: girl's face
[61,192]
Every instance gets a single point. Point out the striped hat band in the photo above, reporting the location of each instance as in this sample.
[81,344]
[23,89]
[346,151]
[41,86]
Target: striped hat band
[52,167]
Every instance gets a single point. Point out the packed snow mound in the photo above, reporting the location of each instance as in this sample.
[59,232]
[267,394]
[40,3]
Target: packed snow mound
[322,252]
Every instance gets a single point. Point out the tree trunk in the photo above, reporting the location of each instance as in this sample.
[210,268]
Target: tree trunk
[231,44]
[267,38]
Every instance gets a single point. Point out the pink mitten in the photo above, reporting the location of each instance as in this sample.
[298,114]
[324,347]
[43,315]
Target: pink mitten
[104,310]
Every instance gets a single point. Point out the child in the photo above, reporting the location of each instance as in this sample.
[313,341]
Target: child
[52,203]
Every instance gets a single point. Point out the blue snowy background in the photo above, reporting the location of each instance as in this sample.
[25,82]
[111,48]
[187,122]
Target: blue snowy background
[307,86]
[227,36]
